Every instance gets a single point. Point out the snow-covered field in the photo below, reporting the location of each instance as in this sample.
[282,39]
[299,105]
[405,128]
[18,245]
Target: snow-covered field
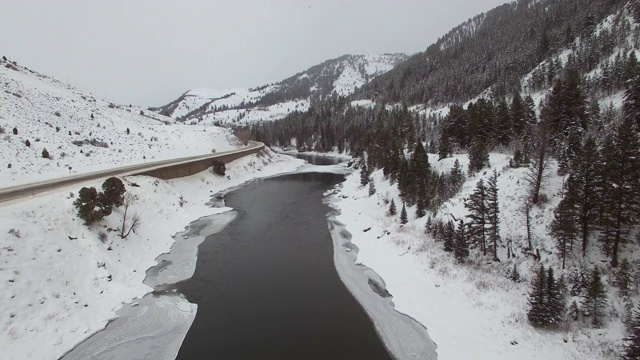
[471,311]
[64,280]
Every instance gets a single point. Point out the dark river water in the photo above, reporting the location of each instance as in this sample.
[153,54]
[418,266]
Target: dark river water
[266,286]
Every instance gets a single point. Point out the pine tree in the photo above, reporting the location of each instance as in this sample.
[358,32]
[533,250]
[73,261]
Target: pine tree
[392,208]
[449,235]
[563,226]
[420,210]
[623,173]
[364,174]
[113,189]
[493,213]
[623,276]
[632,342]
[461,247]
[518,116]
[372,187]
[403,215]
[457,176]
[478,156]
[595,299]
[631,105]
[555,300]
[514,275]
[583,186]
[478,214]
[537,313]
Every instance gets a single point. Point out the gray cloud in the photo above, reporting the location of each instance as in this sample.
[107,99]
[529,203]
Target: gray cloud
[147,52]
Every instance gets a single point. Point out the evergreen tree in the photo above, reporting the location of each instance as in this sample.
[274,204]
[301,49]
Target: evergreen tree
[623,171]
[518,116]
[478,214]
[372,187]
[364,174]
[563,226]
[420,210]
[555,300]
[503,131]
[595,298]
[632,342]
[444,145]
[493,213]
[457,176]
[623,276]
[403,215]
[392,208]
[537,313]
[27,143]
[514,275]
[583,186]
[449,235]
[478,156]
[45,154]
[461,247]
[631,105]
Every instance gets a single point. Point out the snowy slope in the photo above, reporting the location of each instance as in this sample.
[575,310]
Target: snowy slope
[339,76]
[472,311]
[82,132]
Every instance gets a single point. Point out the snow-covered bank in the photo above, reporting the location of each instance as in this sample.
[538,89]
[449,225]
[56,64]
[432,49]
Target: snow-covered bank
[471,311]
[65,281]
[403,337]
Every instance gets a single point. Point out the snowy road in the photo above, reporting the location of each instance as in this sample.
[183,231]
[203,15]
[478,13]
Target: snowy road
[20,191]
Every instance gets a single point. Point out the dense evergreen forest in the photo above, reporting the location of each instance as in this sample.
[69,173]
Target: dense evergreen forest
[496,49]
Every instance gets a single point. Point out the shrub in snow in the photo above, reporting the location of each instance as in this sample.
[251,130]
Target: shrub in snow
[102,236]
[15,131]
[15,232]
[114,190]
[2,130]
[91,205]
[27,143]
[45,154]
[218,167]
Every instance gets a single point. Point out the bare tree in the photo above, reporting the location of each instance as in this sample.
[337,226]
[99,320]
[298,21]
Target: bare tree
[135,220]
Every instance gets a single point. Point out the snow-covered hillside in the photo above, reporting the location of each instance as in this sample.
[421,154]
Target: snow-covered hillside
[82,132]
[473,310]
[242,106]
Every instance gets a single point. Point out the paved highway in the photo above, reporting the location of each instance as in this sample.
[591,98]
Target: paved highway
[16,192]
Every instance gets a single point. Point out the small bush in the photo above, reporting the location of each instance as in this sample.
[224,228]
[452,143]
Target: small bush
[45,154]
[2,130]
[102,236]
[27,143]
[15,233]
[114,190]
[218,167]
[15,131]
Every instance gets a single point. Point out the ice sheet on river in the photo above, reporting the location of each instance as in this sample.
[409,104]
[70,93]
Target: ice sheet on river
[154,327]
[404,337]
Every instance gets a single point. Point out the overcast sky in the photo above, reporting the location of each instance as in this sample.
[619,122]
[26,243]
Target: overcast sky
[148,52]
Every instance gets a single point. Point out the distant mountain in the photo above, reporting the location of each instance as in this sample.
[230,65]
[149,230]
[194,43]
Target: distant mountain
[336,77]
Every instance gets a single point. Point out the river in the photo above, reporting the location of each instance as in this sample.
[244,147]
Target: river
[265,286]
